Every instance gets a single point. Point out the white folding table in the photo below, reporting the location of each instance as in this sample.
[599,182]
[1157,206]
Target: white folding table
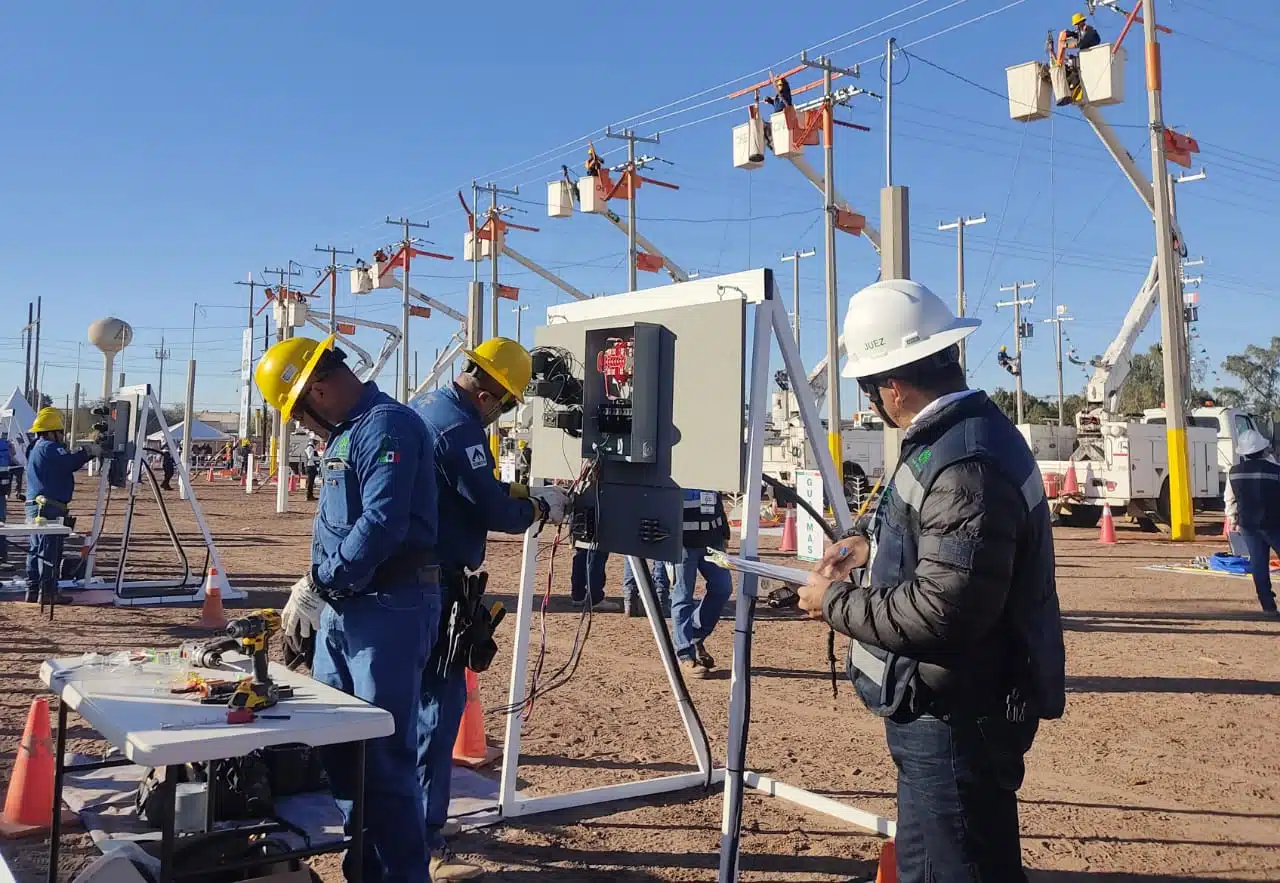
[133,710]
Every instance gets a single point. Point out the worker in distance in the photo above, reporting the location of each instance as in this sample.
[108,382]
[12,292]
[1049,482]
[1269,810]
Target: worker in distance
[372,594]
[1252,500]
[948,594]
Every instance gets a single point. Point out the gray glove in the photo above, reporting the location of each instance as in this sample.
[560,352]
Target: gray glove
[554,502]
[302,612]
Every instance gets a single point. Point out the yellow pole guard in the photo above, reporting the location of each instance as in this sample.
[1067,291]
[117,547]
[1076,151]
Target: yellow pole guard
[1182,526]
[271,458]
[837,455]
[494,446]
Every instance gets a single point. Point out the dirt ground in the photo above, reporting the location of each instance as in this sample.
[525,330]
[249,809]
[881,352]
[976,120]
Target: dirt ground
[1166,766]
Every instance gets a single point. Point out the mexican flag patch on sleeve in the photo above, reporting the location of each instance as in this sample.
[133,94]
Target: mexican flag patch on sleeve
[390,457]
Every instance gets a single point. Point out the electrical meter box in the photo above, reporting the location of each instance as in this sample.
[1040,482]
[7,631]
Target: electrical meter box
[748,144]
[1102,75]
[589,197]
[559,199]
[622,386]
[1028,92]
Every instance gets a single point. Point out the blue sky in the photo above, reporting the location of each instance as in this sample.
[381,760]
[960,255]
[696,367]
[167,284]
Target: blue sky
[155,156]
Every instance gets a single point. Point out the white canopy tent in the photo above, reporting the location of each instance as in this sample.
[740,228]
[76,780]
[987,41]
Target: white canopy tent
[201,432]
[16,416]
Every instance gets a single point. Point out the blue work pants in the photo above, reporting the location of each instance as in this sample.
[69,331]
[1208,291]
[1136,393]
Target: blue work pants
[692,621]
[375,647]
[444,698]
[587,573]
[1260,543]
[957,798]
[4,516]
[44,553]
[661,582]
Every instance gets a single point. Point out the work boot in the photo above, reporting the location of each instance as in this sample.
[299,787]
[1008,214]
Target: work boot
[445,866]
[705,659]
[693,668]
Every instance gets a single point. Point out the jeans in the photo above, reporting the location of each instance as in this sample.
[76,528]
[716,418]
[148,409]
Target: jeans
[4,516]
[443,701]
[692,621]
[44,554]
[376,647]
[1260,543]
[661,582]
[957,798]
[588,570]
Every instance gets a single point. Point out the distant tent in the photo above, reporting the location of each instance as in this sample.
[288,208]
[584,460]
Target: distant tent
[22,417]
[202,432]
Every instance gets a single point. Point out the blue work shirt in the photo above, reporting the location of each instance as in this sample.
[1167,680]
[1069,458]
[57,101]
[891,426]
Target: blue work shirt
[51,470]
[378,497]
[6,454]
[472,501]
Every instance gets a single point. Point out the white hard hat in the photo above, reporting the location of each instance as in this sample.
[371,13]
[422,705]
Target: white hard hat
[1252,442]
[896,322]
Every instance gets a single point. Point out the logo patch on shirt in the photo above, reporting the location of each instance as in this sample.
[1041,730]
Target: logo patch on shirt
[477,456]
[390,457]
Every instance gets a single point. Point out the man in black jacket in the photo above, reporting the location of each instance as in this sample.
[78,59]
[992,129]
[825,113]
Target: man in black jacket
[954,613]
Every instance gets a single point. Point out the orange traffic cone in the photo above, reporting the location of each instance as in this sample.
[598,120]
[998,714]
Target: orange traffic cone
[209,477]
[212,615]
[1071,486]
[28,807]
[293,483]
[470,748]
[789,531]
[887,868]
[1108,535]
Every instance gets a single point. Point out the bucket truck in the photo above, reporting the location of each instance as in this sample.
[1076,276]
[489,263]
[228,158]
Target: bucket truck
[1105,457]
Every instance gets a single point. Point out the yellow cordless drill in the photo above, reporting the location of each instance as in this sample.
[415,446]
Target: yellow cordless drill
[255,693]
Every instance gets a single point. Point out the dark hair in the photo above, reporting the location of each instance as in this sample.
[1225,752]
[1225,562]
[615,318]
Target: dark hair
[937,374]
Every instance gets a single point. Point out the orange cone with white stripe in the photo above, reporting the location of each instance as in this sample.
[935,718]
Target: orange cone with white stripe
[789,531]
[212,616]
[1108,535]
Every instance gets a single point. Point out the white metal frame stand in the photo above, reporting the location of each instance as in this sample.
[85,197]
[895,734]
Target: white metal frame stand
[770,322]
[188,591]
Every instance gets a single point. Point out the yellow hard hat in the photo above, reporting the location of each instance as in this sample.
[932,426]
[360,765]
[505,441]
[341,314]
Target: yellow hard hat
[48,420]
[506,362]
[1077,19]
[284,370]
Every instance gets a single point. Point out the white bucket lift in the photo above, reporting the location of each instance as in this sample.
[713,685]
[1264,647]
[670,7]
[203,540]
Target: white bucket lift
[1028,92]
[291,312]
[1102,75]
[589,196]
[366,278]
[781,132]
[748,144]
[559,199]
[482,252]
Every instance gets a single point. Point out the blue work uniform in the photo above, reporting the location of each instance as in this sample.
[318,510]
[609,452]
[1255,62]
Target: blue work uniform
[1255,486]
[6,462]
[472,503]
[51,483]
[373,559]
[705,526]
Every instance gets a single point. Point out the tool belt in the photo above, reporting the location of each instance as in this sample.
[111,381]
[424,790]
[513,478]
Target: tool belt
[410,566]
[466,625]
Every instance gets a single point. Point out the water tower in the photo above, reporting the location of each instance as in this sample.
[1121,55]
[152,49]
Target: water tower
[109,335]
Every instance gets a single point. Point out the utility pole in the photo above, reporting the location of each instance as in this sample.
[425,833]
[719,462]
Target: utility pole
[630,136]
[794,258]
[27,332]
[1181,523]
[284,331]
[35,360]
[246,381]
[495,215]
[888,112]
[518,310]
[407,244]
[958,225]
[162,355]
[333,282]
[1021,330]
[824,64]
[1057,321]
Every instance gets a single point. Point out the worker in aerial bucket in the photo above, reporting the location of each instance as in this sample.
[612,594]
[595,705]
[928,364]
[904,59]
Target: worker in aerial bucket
[953,606]
[371,596]
[51,482]
[1079,37]
[1252,499]
[472,504]
[594,163]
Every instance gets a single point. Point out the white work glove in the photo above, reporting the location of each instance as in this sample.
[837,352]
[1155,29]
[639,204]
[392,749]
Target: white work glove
[554,502]
[301,615]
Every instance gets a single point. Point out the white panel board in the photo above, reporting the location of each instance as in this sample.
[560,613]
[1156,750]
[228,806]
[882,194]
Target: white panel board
[809,534]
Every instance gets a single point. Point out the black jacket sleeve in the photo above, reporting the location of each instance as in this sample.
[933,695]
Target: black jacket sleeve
[969,525]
